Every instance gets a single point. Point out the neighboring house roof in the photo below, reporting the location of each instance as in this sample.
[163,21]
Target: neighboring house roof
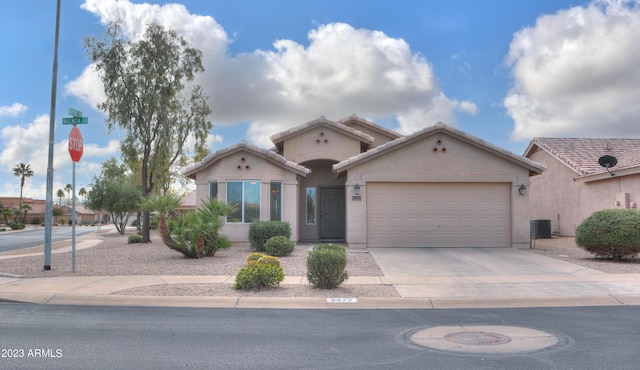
[534,167]
[280,137]
[581,154]
[268,155]
[347,121]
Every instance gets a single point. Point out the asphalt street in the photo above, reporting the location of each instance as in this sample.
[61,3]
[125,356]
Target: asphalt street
[10,241]
[83,337]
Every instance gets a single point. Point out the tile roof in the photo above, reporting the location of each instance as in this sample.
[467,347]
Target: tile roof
[367,123]
[438,127]
[582,154]
[269,155]
[281,136]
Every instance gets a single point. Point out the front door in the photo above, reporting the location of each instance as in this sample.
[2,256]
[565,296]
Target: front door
[331,212]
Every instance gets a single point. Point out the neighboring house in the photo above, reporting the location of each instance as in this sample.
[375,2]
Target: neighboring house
[355,181]
[38,209]
[188,203]
[574,185]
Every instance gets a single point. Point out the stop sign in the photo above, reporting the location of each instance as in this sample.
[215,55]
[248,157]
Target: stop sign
[75,144]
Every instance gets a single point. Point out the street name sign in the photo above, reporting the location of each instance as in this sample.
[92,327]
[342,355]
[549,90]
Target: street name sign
[75,121]
[75,113]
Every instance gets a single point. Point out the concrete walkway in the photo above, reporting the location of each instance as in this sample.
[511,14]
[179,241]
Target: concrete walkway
[428,278]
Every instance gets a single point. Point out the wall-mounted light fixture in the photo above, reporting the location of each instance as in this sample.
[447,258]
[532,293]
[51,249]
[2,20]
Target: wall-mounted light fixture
[522,190]
[356,189]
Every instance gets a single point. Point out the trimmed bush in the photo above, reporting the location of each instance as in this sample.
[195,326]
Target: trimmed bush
[279,246]
[135,238]
[610,233]
[257,276]
[326,266]
[261,231]
[16,225]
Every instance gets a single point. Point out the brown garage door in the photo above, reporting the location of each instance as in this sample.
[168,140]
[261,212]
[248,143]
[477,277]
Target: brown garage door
[438,215]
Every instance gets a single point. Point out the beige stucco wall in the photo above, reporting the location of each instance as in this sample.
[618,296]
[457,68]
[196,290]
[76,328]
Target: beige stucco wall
[321,142]
[453,161]
[556,196]
[258,169]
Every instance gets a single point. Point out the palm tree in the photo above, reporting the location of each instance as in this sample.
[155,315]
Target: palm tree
[22,170]
[60,195]
[68,189]
[82,192]
[26,209]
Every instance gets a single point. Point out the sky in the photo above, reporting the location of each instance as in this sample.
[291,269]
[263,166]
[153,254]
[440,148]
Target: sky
[505,71]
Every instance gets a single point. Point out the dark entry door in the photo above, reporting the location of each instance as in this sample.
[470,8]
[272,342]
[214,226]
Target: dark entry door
[331,213]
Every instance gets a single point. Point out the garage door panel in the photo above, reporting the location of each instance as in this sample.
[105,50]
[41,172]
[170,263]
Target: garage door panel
[438,214]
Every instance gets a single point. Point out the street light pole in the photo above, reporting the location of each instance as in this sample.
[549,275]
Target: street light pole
[52,129]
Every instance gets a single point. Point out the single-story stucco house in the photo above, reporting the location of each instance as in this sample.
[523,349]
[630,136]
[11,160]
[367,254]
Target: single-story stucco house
[574,184]
[355,181]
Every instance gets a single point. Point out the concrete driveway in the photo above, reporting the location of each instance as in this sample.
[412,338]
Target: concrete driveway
[489,274]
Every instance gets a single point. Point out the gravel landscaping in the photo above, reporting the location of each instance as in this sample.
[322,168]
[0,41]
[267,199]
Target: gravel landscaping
[114,257]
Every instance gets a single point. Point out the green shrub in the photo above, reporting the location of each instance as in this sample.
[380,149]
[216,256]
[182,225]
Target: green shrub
[611,233]
[261,231]
[135,238]
[63,221]
[257,276]
[16,225]
[325,266]
[134,223]
[279,246]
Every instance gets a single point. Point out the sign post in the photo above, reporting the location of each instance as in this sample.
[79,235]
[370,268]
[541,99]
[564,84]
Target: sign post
[76,149]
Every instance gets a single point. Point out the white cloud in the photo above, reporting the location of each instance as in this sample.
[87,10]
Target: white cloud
[341,71]
[29,144]
[12,110]
[575,73]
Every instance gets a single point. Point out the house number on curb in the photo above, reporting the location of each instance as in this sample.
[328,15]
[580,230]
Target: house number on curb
[342,300]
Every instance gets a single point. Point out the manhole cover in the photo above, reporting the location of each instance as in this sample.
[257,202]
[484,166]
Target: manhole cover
[477,338]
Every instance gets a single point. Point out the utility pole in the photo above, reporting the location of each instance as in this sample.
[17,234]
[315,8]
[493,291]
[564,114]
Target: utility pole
[52,138]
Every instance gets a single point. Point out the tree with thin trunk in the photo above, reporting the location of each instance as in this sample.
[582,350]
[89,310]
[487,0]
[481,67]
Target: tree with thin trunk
[26,208]
[83,193]
[151,97]
[22,171]
[68,189]
[60,195]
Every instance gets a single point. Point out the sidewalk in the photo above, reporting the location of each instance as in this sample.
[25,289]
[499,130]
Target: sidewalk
[545,287]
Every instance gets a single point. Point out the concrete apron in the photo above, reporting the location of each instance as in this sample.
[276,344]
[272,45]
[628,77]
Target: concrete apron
[489,275]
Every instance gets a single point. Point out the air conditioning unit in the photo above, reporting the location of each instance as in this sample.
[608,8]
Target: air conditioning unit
[540,229]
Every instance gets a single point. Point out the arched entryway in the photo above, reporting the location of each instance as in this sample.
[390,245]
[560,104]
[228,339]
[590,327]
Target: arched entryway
[322,205]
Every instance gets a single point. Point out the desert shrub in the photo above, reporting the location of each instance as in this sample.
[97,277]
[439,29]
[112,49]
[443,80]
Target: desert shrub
[610,233]
[261,231]
[135,223]
[326,266]
[279,246]
[16,225]
[257,276]
[135,238]
[63,221]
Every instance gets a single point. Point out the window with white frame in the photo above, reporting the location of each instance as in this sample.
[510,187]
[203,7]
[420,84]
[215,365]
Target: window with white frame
[245,196]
